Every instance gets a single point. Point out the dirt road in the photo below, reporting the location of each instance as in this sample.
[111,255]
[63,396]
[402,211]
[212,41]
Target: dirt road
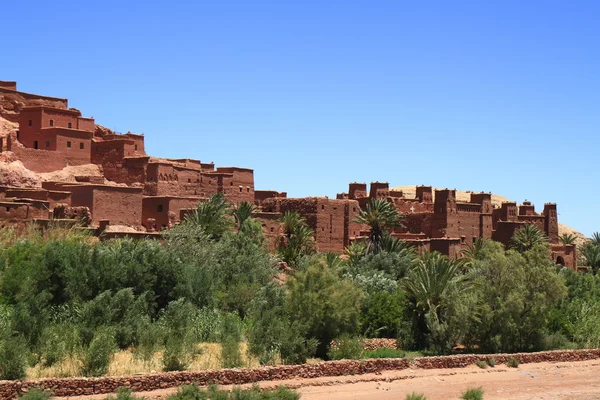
[549,381]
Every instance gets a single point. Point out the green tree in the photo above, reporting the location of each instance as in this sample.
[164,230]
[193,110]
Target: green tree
[517,292]
[297,239]
[591,256]
[379,214]
[212,216]
[527,237]
[242,212]
[596,238]
[435,286]
[324,303]
[567,238]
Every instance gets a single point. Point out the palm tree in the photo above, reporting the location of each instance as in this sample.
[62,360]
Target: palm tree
[567,238]
[471,253]
[429,282]
[596,238]
[527,237]
[297,238]
[379,214]
[211,216]
[242,212]
[591,256]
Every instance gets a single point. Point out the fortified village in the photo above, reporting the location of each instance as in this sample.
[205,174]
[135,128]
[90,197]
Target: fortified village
[139,195]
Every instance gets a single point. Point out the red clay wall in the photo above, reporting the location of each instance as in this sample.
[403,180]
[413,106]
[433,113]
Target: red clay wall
[159,208]
[119,205]
[68,387]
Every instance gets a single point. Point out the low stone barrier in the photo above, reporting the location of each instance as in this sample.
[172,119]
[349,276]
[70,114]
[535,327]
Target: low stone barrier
[141,383]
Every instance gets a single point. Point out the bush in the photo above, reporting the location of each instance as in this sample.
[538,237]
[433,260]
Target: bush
[415,396]
[481,364]
[123,393]
[346,348]
[512,362]
[473,394]
[491,362]
[192,392]
[384,352]
[35,394]
[13,358]
[231,335]
[57,342]
[97,356]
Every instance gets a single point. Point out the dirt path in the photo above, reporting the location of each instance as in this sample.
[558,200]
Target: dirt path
[548,381]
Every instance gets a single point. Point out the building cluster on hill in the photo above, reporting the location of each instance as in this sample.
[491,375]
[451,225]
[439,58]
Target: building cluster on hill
[151,194]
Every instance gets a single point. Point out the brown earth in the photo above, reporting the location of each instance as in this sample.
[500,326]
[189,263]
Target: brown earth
[410,192]
[549,381]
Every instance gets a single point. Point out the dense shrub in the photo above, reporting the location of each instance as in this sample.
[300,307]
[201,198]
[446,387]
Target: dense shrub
[192,392]
[384,352]
[472,394]
[35,394]
[346,348]
[13,357]
[97,356]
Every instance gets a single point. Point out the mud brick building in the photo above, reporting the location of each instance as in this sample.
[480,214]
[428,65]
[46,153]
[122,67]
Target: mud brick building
[150,194]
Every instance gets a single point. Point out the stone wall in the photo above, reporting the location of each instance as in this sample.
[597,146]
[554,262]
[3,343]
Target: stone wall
[141,383]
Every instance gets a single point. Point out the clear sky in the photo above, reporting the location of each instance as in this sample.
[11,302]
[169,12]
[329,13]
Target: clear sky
[476,95]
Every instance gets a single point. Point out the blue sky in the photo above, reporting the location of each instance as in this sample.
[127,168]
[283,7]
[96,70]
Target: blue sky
[495,96]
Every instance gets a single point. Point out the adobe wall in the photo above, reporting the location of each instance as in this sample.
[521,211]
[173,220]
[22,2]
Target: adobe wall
[158,208]
[21,212]
[11,102]
[11,85]
[551,226]
[261,195]
[237,184]
[271,225]
[119,205]
[43,160]
[116,166]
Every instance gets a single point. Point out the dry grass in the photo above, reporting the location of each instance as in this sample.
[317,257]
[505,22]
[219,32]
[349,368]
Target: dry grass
[124,363]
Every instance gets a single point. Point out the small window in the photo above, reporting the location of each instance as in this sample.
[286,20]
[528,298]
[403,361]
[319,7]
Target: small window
[30,122]
[241,189]
[69,145]
[189,180]
[248,189]
[81,146]
[35,144]
[51,122]
[47,143]
[135,147]
[69,125]
[159,208]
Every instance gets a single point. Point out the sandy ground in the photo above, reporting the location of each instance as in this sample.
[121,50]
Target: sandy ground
[548,381]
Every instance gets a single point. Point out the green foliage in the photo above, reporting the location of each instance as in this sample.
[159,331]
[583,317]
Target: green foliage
[13,357]
[491,362]
[97,356]
[123,393]
[346,348]
[211,216]
[384,352]
[35,394]
[379,214]
[481,364]
[590,252]
[472,394]
[57,342]
[384,314]
[567,238]
[179,341]
[415,396]
[231,335]
[192,392]
[516,292]
[272,333]
[297,239]
[528,237]
[324,303]
[512,363]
